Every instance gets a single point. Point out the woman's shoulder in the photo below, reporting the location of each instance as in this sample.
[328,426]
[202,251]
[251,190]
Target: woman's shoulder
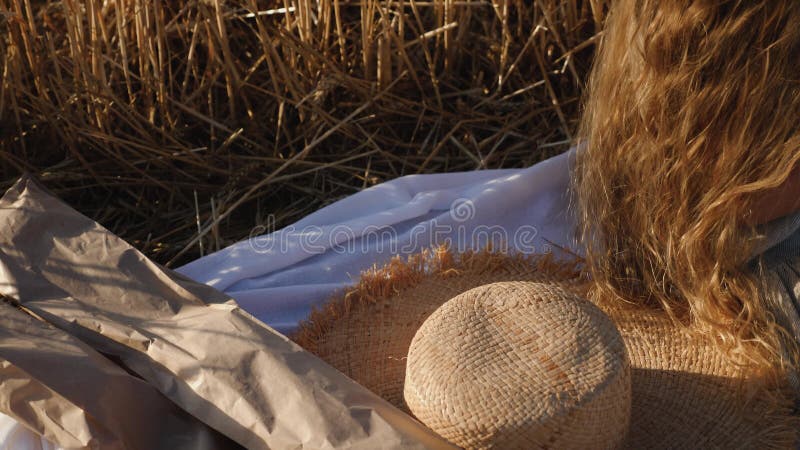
[781,239]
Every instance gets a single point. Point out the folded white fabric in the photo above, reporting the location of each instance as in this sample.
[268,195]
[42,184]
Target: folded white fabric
[14,436]
[279,276]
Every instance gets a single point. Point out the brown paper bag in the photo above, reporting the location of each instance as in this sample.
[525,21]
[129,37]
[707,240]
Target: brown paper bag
[62,389]
[188,341]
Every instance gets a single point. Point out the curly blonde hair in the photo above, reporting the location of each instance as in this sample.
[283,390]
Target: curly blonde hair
[692,112]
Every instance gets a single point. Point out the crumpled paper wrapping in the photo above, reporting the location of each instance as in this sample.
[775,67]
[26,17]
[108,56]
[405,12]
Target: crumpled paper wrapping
[191,343]
[76,398]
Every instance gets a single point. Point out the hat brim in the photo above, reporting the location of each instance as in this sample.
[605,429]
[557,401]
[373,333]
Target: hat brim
[685,392]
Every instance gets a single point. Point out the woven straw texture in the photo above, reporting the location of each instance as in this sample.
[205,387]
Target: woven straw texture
[684,393]
[367,337]
[547,362]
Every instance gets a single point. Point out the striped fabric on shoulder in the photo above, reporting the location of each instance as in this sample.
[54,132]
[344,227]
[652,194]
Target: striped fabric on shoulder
[780,238]
[781,285]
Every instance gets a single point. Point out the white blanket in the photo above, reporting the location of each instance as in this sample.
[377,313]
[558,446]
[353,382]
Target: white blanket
[279,276]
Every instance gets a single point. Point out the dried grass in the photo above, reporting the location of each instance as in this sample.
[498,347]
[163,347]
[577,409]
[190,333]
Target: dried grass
[182,125]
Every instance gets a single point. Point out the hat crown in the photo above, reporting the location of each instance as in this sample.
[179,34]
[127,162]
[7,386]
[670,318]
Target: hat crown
[520,365]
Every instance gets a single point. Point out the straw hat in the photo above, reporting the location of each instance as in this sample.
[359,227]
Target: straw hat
[502,351]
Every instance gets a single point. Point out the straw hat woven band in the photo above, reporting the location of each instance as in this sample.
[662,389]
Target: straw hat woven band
[684,392]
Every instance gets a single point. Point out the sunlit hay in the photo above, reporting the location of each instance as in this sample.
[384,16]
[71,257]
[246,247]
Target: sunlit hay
[265,111]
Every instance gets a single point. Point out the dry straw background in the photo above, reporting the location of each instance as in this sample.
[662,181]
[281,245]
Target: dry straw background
[181,125]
